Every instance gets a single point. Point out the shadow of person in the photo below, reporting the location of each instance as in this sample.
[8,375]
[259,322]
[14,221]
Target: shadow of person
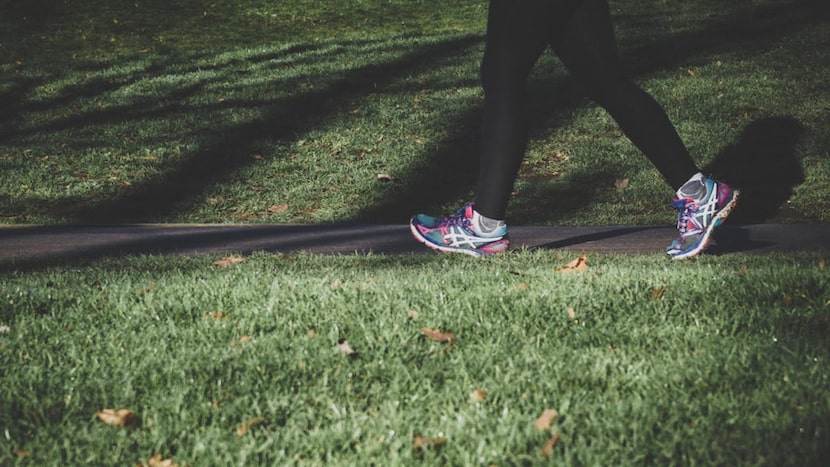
[764,166]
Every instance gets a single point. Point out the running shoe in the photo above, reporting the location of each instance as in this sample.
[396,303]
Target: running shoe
[455,234]
[697,219]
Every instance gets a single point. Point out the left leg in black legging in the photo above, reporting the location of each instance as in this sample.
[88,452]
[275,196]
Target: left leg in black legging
[515,39]
[588,49]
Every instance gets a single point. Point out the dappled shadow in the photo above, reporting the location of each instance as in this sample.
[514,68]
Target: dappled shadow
[763,164]
[551,97]
[445,174]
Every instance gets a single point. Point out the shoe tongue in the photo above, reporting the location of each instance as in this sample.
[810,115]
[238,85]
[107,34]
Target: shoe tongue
[468,211]
[681,203]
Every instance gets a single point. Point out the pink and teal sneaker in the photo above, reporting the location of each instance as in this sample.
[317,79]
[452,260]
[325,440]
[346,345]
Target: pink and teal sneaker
[455,234]
[696,220]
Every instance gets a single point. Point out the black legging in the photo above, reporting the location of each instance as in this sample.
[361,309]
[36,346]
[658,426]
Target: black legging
[580,32]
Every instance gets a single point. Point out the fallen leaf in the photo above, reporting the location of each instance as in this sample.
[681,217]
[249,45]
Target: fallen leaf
[217,315]
[243,429]
[621,184]
[571,313]
[240,341]
[278,208]
[521,287]
[385,178]
[419,442]
[547,449]
[344,348]
[438,336]
[786,298]
[122,418]
[478,395]
[230,260]
[20,453]
[578,265]
[691,73]
[657,293]
[5,329]
[544,421]
[354,111]
[157,461]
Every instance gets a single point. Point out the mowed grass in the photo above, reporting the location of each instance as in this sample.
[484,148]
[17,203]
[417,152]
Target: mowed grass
[295,111]
[721,361]
[289,112]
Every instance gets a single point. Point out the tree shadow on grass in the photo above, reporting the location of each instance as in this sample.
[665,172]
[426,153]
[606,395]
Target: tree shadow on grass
[446,174]
[550,100]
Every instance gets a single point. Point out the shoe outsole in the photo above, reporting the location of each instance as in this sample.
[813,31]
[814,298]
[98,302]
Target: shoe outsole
[707,234]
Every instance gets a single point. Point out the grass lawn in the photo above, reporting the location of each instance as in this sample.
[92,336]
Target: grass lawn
[296,111]
[720,361]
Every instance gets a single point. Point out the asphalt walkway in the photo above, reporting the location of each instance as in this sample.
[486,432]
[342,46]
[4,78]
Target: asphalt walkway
[21,244]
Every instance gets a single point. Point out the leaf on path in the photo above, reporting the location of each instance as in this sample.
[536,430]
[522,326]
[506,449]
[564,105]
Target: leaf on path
[438,336]
[122,418]
[547,449]
[579,265]
[278,208]
[243,429]
[230,260]
[419,442]
[478,395]
[157,461]
[346,349]
[544,421]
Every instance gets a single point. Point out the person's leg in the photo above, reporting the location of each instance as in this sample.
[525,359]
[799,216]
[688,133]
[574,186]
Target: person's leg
[516,37]
[588,49]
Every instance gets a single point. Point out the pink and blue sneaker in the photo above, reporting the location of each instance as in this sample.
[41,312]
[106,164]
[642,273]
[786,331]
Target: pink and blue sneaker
[456,234]
[696,220]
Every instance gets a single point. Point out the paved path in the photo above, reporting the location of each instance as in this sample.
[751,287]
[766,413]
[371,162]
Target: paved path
[22,244]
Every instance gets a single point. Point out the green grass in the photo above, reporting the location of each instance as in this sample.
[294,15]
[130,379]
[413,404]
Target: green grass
[721,361]
[216,112]
[287,111]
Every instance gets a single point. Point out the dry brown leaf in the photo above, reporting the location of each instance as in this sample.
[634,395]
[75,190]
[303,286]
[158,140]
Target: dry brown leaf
[241,340]
[547,449]
[578,265]
[121,418]
[544,421]
[20,453]
[217,315]
[786,298]
[419,442]
[657,292]
[344,348]
[438,336]
[521,287]
[691,73]
[278,208]
[243,429]
[230,260]
[621,184]
[157,461]
[571,313]
[478,395]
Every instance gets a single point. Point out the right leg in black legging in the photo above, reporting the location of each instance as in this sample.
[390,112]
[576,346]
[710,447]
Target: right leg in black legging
[587,47]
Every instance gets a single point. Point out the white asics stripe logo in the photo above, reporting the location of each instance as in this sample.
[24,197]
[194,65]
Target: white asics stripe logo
[457,237]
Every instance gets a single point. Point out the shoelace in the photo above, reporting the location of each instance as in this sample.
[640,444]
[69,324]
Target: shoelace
[458,219]
[685,215]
